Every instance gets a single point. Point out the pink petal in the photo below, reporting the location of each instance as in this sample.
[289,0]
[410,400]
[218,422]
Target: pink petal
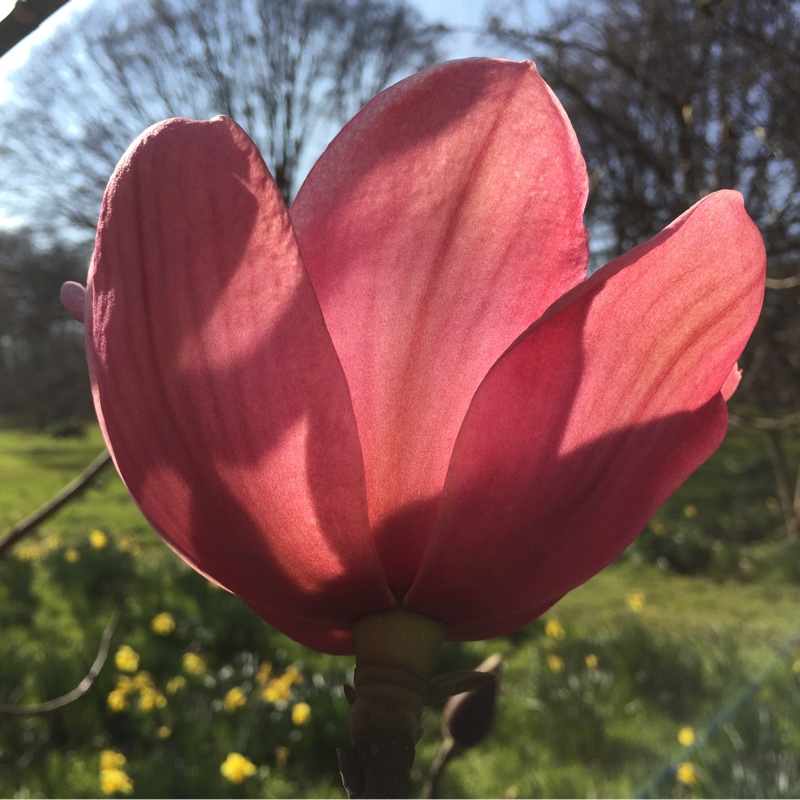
[73,298]
[590,421]
[436,228]
[731,382]
[218,387]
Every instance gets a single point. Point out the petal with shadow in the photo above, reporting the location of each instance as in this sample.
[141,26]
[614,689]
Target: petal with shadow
[216,383]
[439,224]
[590,421]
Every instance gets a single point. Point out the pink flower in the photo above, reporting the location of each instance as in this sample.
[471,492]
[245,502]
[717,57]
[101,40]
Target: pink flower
[403,392]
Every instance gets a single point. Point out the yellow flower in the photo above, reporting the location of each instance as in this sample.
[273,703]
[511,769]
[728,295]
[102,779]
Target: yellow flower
[117,701]
[143,681]
[125,544]
[163,732]
[556,664]
[292,675]
[690,511]
[113,781]
[301,713]
[126,659]
[796,667]
[234,699]
[264,673]
[276,690]
[111,759]
[194,664]
[28,551]
[163,624]
[175,684]
[281,755]
[97,539]
[658,528]
[125,685]
[686,774]
[150,699]
[554,629]
[72,555]
[635,601]
[686,736]
[236,768]
[591,661]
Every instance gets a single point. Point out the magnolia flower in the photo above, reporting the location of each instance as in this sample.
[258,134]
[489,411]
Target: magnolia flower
[403,392]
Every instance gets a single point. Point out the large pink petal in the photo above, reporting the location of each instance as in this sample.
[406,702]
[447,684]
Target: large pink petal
[590,421]
[217,385]
[436,228]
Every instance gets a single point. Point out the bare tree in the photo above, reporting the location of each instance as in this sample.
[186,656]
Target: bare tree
[673,99]
[289,73]
[43,376]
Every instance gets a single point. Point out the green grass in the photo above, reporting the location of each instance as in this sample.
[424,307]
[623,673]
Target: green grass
[710,648]
[35,466]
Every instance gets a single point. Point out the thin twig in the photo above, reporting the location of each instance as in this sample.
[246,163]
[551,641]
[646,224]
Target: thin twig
[82,687]
[766,423]
[448,750]
[783,283]
[69,492]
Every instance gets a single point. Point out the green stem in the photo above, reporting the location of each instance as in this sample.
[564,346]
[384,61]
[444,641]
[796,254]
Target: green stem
[395,655]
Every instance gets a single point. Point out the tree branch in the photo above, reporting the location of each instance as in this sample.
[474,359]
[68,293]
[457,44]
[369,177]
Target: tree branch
[24,19]
[69,492]
[766,423]
[82,687]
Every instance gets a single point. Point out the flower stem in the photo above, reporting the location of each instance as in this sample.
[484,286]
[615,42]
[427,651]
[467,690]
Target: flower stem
[395,655]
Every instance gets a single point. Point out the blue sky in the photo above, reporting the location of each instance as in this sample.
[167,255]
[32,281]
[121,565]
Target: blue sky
[458,14]
[455,13]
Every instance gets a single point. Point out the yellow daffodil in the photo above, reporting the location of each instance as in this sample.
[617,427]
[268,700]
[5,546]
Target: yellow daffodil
[117,701]
[194,664]
[264,673]
[163,624]
[235,698]
[301,713]
[115,781]
[126,659]
[175,684]
[686,736]
[554,629]
[635,601]
[111,759]
[590,661]
[28,551]
[150,699]
[97,539]
[143,680]
[686,774]
[556,664]
[236,768]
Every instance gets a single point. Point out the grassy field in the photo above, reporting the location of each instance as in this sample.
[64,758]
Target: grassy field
[694,631]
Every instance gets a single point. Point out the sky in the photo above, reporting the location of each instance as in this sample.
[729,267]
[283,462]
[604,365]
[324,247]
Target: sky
[461,15]
[465,14]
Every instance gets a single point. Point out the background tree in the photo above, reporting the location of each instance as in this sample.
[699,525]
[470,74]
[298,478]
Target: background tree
[42,364]
[289,73]
[671,100]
